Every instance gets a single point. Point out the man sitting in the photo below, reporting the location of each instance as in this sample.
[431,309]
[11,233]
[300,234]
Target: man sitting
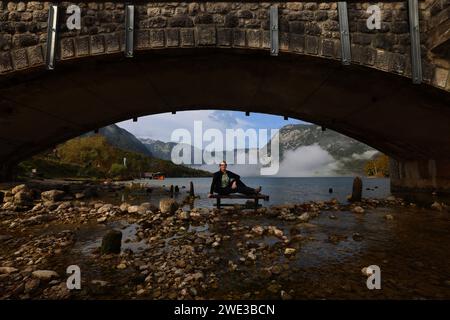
[225,182]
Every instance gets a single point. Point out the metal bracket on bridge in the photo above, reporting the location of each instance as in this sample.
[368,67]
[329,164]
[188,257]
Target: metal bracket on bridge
[416,60]
[346,53]
[52,24]
[274,40]
[129,30]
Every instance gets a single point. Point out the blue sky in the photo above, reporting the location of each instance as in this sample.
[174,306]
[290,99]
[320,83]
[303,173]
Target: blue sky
[161,126]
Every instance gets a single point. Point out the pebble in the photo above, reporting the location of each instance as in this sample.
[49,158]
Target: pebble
[437,206]
[274,288]
[101,283]
[285,296]
[251,256]
[304,217]
[7,270]
[181,263]
[276,232]
[215,244]
[31,285]
[121,266]
[258,230]
[289,251]
[45,274]
[358,209]
[276,269]
[102,219]
[141,292]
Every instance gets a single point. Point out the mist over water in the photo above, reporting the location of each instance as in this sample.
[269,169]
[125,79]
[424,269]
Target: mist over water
[305,161]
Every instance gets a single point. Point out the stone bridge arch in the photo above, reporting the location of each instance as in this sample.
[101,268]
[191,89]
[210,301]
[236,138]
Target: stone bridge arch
[216,55]
[309,28]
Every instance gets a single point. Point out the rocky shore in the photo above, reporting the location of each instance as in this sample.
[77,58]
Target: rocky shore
[178,251]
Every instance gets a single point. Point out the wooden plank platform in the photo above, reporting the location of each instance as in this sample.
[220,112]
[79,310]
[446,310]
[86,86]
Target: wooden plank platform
[256,198]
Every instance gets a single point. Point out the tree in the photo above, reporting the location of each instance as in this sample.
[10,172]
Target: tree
[378,166]
[117,170]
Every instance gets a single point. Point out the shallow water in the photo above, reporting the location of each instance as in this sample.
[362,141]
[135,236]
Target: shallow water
[89,237]
[411,249]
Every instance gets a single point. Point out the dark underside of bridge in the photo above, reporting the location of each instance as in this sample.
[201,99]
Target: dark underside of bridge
[410,123]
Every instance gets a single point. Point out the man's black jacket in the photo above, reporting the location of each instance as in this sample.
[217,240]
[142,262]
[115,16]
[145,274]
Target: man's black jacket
[217,179]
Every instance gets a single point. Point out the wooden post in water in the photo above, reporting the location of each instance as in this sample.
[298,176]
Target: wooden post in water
[357,190]
[191,189]
[171,191]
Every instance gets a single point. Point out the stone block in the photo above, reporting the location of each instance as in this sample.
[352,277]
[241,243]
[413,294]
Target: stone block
[157,38]
[187,37]
[206,35]
[172,37]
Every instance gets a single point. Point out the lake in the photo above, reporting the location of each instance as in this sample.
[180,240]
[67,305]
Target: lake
[283,190]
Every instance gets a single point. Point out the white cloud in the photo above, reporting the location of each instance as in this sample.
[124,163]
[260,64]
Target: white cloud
[308,161]
[365,155]
[160,126]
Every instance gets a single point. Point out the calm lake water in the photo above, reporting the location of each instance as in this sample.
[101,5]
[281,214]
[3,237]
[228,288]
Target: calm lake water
[283,190]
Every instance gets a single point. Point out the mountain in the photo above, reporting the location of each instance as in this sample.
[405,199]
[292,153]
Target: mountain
[304,149]
[346,155]
[163,150]
[122,139]
[94,157]
[293,136]
[157,148]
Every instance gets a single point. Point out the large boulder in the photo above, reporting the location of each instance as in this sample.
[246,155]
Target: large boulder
[23,198]
[184,215]
[112,242]
[136,209]
[168,205]
[124,207]
[105,208]
[52,195]
[19,188]
[149,206]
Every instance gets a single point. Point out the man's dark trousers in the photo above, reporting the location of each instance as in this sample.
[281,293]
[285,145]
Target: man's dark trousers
[241,188]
